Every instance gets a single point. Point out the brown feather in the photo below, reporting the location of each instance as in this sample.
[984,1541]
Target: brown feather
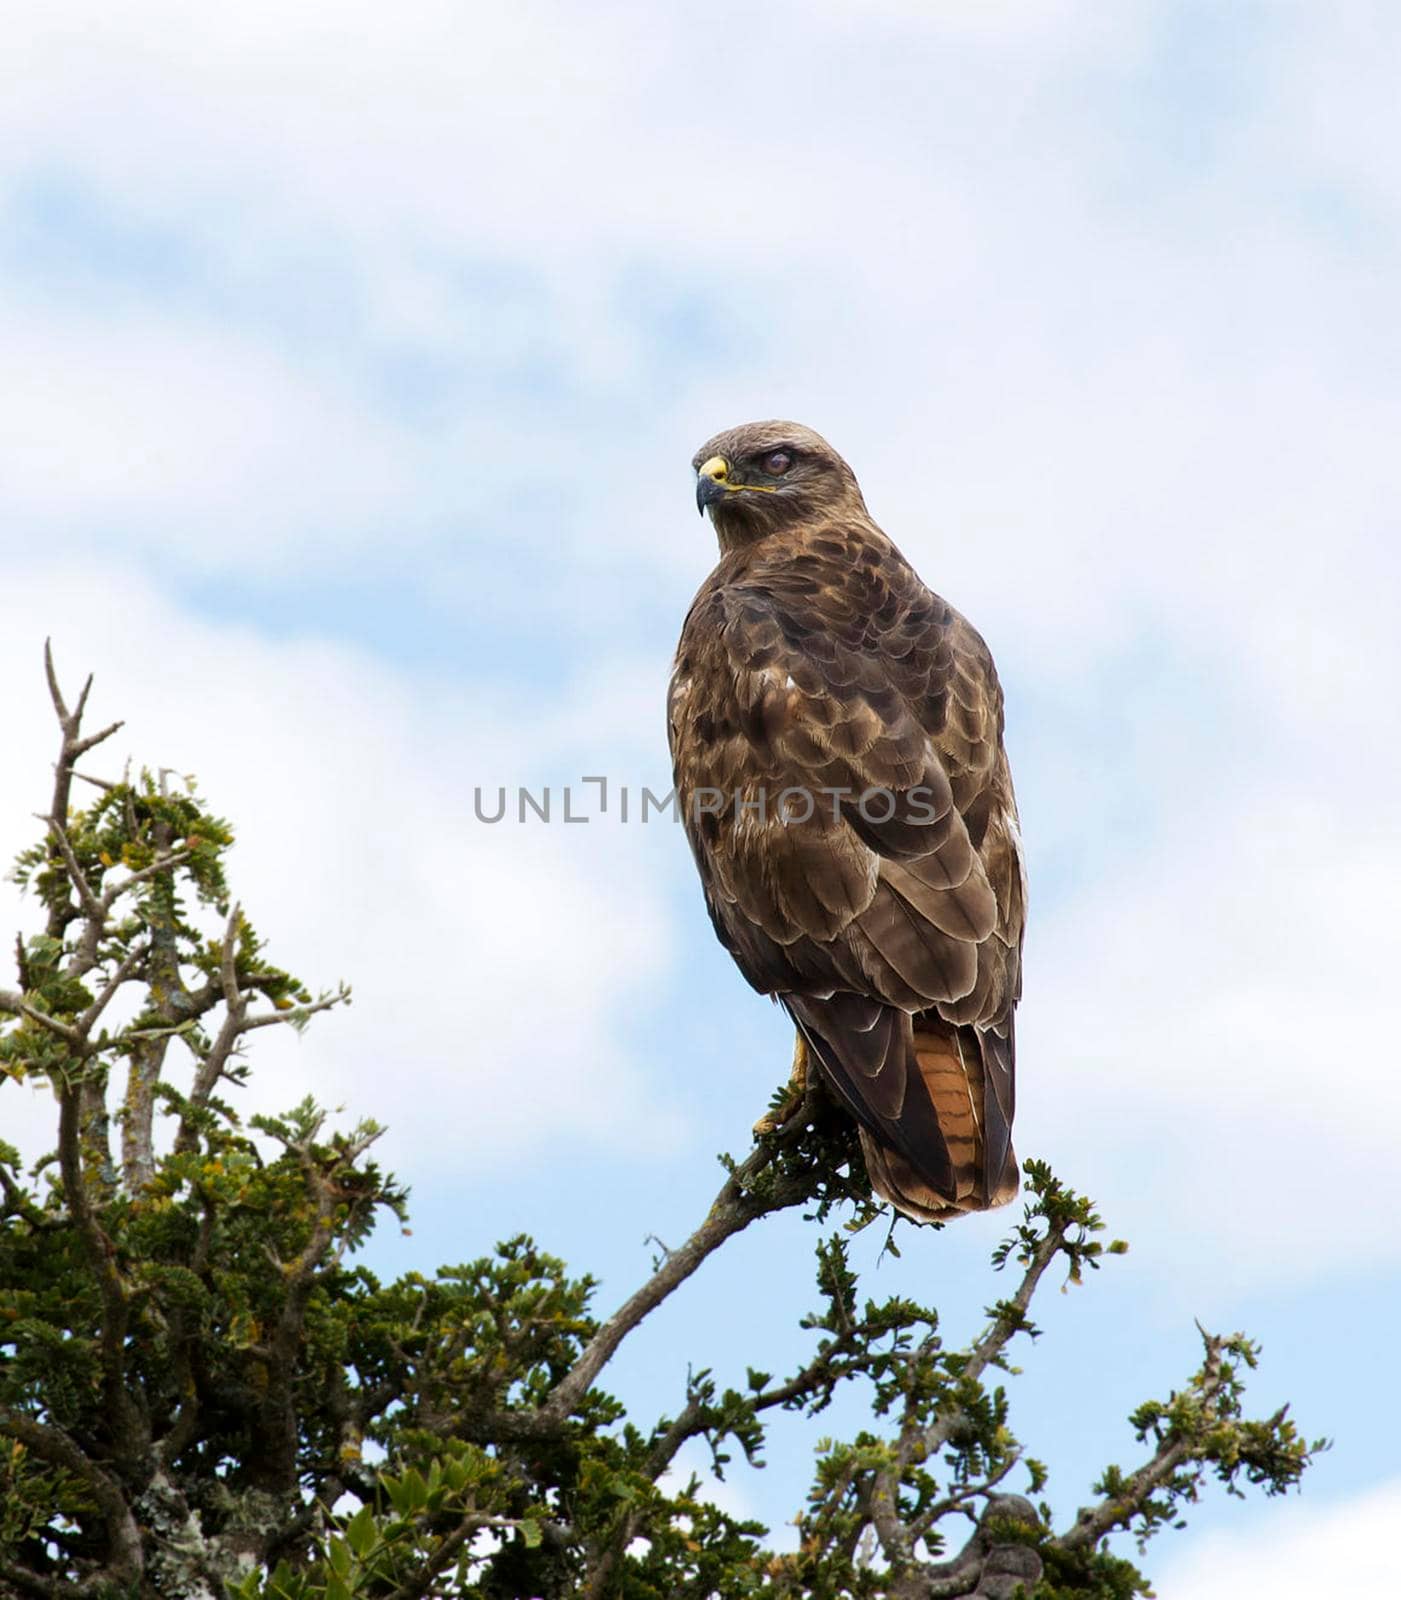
[814,661]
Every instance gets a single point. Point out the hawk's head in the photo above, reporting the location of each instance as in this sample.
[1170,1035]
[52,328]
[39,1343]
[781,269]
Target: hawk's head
[763,476]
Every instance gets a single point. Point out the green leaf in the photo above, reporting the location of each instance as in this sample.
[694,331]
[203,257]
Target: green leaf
[338,1555]
[360,1532]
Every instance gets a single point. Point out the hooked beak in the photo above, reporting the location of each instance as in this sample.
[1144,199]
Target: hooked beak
[711,479]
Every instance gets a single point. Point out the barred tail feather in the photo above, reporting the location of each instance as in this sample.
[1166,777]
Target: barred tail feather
[984,1169]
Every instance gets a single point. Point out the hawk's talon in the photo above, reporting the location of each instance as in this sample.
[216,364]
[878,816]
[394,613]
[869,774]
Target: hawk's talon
[794,1096]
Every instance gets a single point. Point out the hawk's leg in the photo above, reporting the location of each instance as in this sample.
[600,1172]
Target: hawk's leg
[793,1097]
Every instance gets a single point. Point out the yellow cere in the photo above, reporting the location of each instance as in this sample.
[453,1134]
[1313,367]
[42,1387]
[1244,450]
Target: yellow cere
[718,469]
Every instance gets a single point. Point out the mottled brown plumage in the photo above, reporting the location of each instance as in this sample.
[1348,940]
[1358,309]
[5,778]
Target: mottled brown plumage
[836,733]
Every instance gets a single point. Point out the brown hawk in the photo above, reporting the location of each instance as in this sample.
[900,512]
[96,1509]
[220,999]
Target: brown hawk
[836,735]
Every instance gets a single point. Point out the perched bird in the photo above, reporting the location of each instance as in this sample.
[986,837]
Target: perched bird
[836,737]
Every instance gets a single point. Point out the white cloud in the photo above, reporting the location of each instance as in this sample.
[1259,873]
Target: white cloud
[176,431]
[377,160]
[1343,1549]
[1203,1043]
[485,1013]
[515,122]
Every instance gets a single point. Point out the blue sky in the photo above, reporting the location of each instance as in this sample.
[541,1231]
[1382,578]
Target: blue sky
[354,359]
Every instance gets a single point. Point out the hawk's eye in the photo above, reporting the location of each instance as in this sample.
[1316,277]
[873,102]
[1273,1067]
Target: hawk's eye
[777,463]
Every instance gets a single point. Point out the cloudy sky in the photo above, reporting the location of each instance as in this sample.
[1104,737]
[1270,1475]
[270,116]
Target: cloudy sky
[353,358]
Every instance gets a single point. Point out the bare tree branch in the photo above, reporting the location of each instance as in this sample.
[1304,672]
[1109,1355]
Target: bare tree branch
[1118,1511]
[10,1001]
[72,746]
[163,863]
[734,1208]
[89,901]
[129,1433]
[128,969]
[294,1014]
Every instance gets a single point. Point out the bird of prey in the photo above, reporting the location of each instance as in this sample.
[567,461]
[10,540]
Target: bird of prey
[836,737]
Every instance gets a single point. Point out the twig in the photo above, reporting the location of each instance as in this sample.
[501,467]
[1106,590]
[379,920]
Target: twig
[897,1538]
[125,1419]
[50,1443]
[734,1208]
[91,904]
[273,1019]
[276,1427]
[213,1062]
[20,1205]
[130,962]
[162,863]
[10,1001]
[228,963]
[72,746]
[474,1522]
[1114,1511]
[1003,1328]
